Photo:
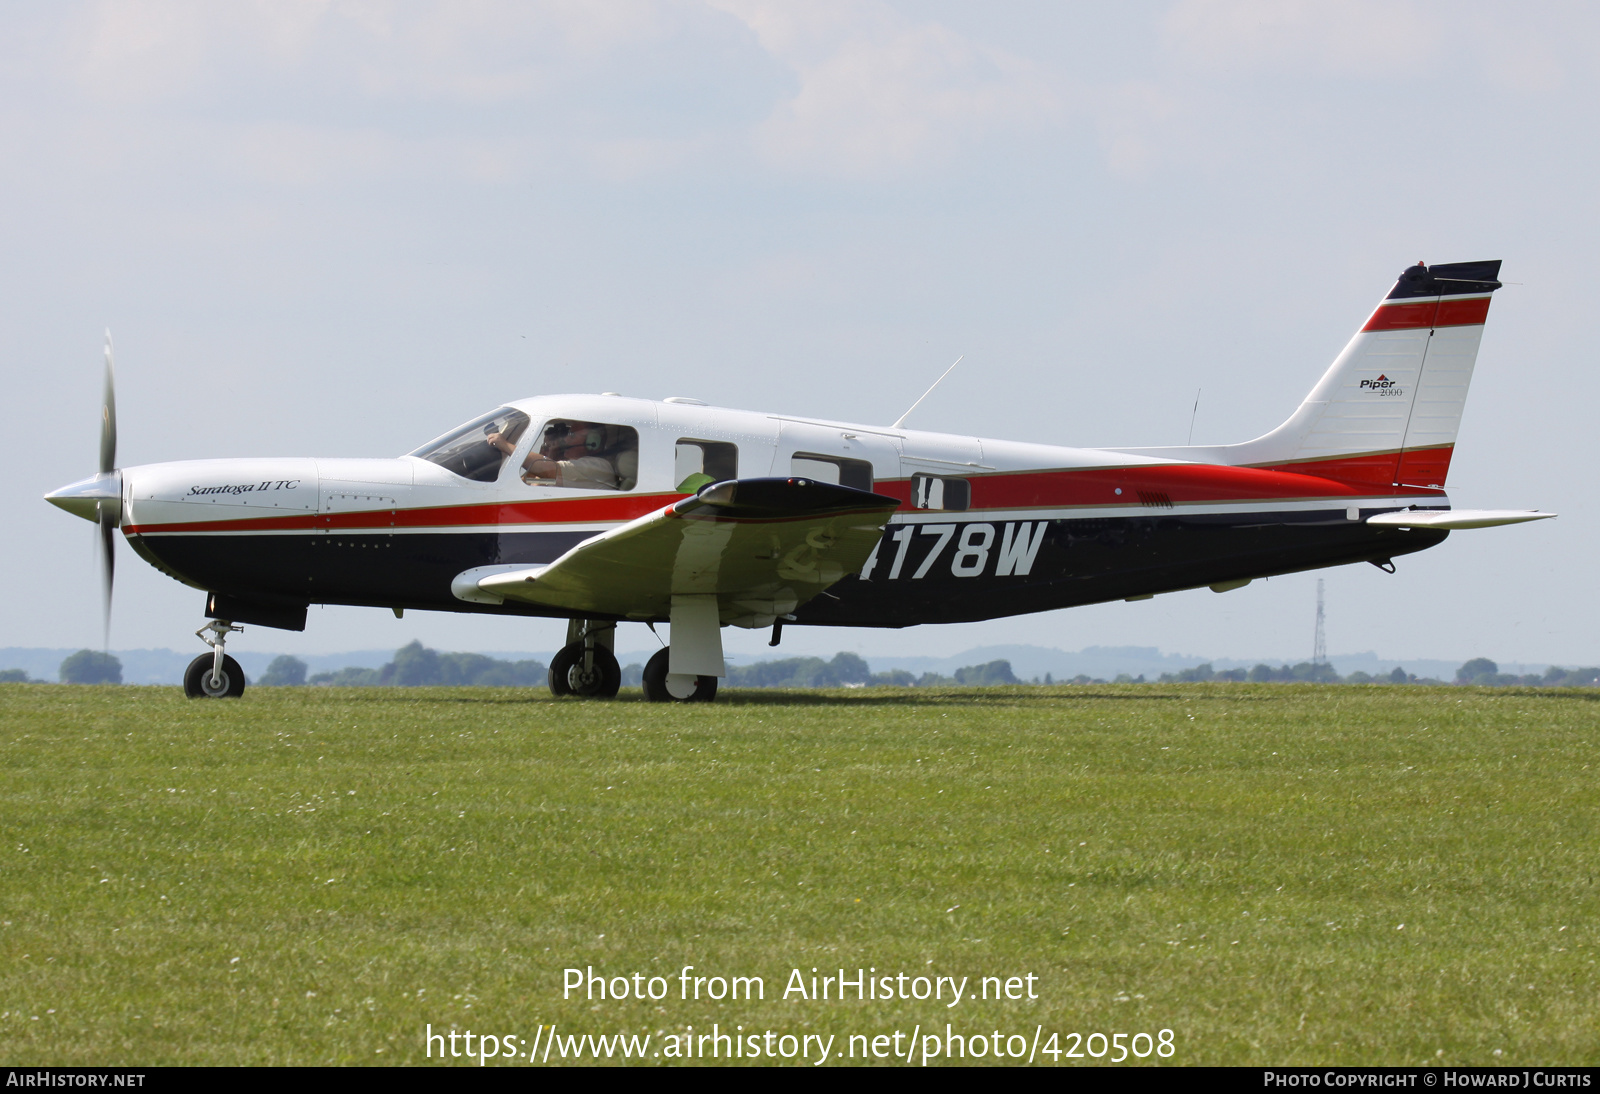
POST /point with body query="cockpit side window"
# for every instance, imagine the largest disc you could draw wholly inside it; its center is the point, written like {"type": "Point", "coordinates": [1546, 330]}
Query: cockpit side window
{"type": "Point", "coordinates": [477, 449]}
{"type": "Point", "coordinates": [583, 456]}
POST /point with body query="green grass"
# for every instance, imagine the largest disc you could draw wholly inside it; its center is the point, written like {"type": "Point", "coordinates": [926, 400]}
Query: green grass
{"type": "Point", "coordinates": [310, 875]}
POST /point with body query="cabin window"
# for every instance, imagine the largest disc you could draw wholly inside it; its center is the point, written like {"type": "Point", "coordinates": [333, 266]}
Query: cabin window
{"type": "Point", "coordinates": [701, 463]}
{"type": "Point", "coordinates": [934, 492]}
{"type": "Point", "coordinates": [856, 474]}
{"type": "Point", "coordinates": [478, 449]}
{"type": "Point", "coordinates": [583, 456]}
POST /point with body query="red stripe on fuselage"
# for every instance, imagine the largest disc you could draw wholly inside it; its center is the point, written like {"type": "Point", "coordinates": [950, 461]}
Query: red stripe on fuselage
{"type": "Point", "coordinates": [1182, 483]}
{"type": "Point", "coordinates": [1053, 489]}
{"type": "Point", "coordinates": [897, 488]}
{"type": "Point", "coordinates": [1429, 313]}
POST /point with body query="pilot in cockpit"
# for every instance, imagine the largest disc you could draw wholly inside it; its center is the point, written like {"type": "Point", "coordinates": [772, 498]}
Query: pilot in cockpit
{"type": "Point", "coordinates": [570, 453]}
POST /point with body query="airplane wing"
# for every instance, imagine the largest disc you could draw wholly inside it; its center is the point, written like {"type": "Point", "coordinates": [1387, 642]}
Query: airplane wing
{"type": "Point", "coordinates": [761, 546]}
{"type": "Point", "coordinates": [1456, 518]}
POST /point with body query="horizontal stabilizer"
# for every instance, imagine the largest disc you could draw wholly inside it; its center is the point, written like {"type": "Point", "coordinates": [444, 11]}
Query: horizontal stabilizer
{"type": "Point", "coordinates": [1456, 518]}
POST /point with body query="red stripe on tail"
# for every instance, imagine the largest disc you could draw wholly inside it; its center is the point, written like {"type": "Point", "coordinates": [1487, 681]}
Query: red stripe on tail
{"type": "Point", "coordinates": [1425, 467]}
{"type": "Point", "coordinates": [1429, 313]}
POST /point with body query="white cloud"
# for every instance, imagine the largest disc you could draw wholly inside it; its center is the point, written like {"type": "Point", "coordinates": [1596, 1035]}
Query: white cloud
{"type": "Point", "coordinates": [630, 89]}
{"type": "Point", "coordinates": [468, 51]}
{"type": "Point", "coordinates": [1469, 43]}
{"type": "Point", "coordinates": [297, 155]}
{"type": "Point", "coordinates": [1347, 37]}
{"type": "Point", "coordinates": [627, 88]}
{"type": "Point", "coordinates": [880, 94]}
{"type": "Point", "coordinates": [309, 92]}
{"type": "Point", "coordinates": [472, 51]}
{"type": "Point", "coordinates": [1134, 120]}
{"type": "Point", "coordinates": [1521, 59]}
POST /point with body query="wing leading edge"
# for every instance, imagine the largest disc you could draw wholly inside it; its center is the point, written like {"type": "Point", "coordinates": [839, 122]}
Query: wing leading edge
{"type": "Point", "coordinates": [762, 547]}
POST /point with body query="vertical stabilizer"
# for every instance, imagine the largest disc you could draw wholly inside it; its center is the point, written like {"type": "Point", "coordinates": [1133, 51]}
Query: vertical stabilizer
{"type": "Point", "coordinates": [1388, 409]}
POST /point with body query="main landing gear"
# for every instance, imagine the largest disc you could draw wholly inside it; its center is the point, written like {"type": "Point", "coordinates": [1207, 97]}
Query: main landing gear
{"type": "Point", "coordinates": [214, 675]}
{"type": "Point", "coordinates": [687, 671]}
{"type": "Point", "coordinates": [585, 666]}
{"type": "Point", "coordinates": [661, 686]}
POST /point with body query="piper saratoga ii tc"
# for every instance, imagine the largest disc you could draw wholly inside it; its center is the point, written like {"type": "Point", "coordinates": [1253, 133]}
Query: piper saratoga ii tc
{"type": "Point", "coordinates": [601, 509]}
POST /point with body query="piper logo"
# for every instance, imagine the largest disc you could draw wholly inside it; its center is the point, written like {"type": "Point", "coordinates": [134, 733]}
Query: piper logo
{"type": "Point", "coordinates": [1383, 386]}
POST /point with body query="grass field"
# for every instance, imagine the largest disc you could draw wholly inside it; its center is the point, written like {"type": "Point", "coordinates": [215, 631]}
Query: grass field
{"type": "Point", "coordinates": [311, 875]}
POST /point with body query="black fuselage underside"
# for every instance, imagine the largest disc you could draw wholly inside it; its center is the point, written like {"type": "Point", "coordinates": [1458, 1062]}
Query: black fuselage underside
{"type": "Point", "coordinates": [1080, 561]}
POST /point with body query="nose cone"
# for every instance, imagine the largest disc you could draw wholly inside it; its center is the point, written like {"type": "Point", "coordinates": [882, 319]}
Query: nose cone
{"type": "Point", "coordinates": [88, 498]}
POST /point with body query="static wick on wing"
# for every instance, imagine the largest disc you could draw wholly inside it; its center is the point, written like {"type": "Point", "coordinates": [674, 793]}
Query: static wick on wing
{"type": "Point", "coordinates": [898, 422]}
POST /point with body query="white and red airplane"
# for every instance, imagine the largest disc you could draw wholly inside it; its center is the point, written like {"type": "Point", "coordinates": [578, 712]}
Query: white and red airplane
{"type": "Point", "coordinates": [601, 509]}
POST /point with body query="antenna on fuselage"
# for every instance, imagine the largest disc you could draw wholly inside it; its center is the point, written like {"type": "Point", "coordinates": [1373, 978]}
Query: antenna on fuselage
{"type": "Point", "coordinates": [898, 422]}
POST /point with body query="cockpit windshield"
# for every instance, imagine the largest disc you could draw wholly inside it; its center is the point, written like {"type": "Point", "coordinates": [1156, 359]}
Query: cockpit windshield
{"type": "Point", "coordinates": [477, 449]}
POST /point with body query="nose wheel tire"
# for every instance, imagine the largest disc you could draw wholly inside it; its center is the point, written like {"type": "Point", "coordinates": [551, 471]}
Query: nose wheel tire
{"type": "Point", "coordinates": [569, 677]}
{"type": "Point", "coordinates": [198, 684]}
{"type": "Point", "coordinates": [661, 686]}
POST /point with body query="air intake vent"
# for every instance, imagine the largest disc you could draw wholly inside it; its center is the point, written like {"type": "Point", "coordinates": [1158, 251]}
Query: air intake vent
{"type": "Point", "coordinates": [1154, 499]}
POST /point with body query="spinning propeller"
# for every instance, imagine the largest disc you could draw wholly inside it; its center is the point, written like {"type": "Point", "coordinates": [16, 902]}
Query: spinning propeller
{"type": "Point", "coordinates": [108, 512]}
{"type": "Point", "coordinates": [100, 499]}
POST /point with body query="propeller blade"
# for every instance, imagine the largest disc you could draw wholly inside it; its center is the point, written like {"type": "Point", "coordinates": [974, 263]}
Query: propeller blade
{"type": "Point", "coordinates": [108, 417]}
{"type": "Point", "coordinates": [108, 566]}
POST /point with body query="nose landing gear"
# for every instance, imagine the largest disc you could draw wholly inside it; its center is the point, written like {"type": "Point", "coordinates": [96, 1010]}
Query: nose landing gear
{"type": "Point", "coordinates": [214, 675]}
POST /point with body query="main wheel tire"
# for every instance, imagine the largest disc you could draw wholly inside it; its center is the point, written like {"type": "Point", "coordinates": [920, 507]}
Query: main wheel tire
{"type": "Point", "coordinates": [660, 686]}
{"type": "Point", "coordinates": [558, 679]}
{"type": "Point", "coordinates": [197, 678]}
{"type": "Point", "coordinates": [567, 675]}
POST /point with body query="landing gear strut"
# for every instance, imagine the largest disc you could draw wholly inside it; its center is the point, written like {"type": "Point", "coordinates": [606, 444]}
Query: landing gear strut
{"type": "Point", "coordinates": [585, 666]}
{"type": "Point", "coordinates": [214, 675]}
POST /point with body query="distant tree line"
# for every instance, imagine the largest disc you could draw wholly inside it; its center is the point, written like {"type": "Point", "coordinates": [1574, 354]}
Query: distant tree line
{"type": "Point", "coordinates": [1484, 673]}
{"type": "Point", "coordinates": [847, 670]}
{"type": "Point", "coordinates": [1479, 672]}
{"type": "Point", "coordinates": [1306, 672]}
{"type": "Point", "coordinates": [415, 665]}
{"type": "Point", "coordinates": [83, 667]}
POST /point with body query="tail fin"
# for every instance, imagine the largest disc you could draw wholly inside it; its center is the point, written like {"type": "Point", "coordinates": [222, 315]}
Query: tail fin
{"type": "Point", "coordinates": [1387, 410]}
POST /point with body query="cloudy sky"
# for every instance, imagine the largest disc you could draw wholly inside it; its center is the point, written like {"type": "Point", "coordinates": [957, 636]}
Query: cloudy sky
{"type": "Point", "coordinates": [326, 228]}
